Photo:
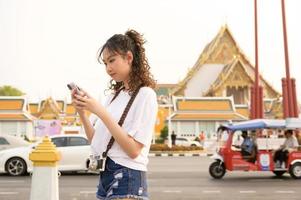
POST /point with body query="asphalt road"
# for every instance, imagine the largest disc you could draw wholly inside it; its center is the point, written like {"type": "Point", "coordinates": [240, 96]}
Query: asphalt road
{"type": "Point", "coordinates": [172, 178]}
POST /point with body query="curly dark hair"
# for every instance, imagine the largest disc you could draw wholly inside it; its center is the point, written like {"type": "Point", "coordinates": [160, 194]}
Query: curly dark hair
{"type": "Point", "coordinates": [140, 70]}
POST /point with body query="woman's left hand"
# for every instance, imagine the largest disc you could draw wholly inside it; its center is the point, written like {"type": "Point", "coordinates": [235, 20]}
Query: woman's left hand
{"type": "Point", "coordinates": [87, 102]}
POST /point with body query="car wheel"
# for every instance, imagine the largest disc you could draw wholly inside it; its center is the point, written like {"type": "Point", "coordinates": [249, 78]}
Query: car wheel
{"type": "Point", "coordinates": [279, 173]}
{"type": "Point", "coordinates": [295, 170]}
{"type": "Point", "coordinates": [16, 167]}
{"type": "Point", "coordinates": [217, 170]}
{"type": "Point", "coordinates": [193, 145]}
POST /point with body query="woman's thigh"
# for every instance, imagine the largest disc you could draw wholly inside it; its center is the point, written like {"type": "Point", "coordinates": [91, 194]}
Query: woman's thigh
{"type": "Point", "coordinates": [119, 182]}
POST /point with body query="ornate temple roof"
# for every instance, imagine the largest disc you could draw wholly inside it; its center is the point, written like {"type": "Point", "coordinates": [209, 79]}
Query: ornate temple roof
{"type": "Point", "coordinates": [50, 109]}
{"type": "Point", "coordinates": [222, 50]}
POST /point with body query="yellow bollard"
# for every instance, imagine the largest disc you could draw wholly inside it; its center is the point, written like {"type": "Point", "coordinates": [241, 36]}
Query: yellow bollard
{"type": "Point", "coordinates": [44, 184]}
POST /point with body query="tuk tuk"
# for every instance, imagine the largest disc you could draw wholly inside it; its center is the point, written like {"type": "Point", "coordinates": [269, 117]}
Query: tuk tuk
{"type": "Point", "coordinates": [267, 136]}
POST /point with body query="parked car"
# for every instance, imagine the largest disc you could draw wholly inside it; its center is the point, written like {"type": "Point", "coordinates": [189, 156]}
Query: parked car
{"type": "Point", "coordinates": [187, 143]}
{"type": "Point", "coordinates": [9, 141]}
{"type": "Point", "coordinates": [75, 151]}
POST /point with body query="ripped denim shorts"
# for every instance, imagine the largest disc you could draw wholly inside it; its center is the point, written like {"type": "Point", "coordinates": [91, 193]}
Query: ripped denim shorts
{"type": "Point", "coordinates": [119, 182]}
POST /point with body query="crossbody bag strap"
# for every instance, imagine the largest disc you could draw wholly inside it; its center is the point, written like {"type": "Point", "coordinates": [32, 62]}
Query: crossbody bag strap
{"type": "Point", "coordinates": [114, 97]}
{"type": "Point", "coordinates": [121, 120]}
{"type": "Point", "coordinates": [116, 94]}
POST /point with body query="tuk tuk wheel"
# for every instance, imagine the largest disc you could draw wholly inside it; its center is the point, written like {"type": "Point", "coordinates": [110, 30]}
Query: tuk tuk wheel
{"type": "Point", "coordinates": [217, 169]}
{"type": "Point", "coordinates": [295, 170]}
{"type": "Point", "coordinates": [279, 173]}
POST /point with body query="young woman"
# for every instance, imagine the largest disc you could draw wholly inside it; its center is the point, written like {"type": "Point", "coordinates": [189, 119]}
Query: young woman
{"type": "Point", "coordinates": [125, 171]}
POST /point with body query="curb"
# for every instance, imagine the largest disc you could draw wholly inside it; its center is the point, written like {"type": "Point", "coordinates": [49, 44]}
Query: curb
{"type": "Point", "coordinates": [179, 154]}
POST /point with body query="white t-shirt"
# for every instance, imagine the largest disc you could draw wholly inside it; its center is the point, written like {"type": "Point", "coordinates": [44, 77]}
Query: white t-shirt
{"type": "Point", "coordinates": [291, 142]}
{"type": "Point", "coordinates": [139, 123]}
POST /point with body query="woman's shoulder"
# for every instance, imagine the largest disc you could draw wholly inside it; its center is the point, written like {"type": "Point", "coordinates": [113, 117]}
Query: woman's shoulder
{"type": "Point", "coordinates": [147, 91]}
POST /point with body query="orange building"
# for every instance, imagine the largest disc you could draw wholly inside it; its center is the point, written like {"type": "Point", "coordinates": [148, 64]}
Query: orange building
{"type": "Point", "coordinates": [14, 117]}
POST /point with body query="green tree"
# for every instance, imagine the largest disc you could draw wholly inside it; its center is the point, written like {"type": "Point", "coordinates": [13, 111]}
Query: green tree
{"type": "Point", "coordinates": [164, 133]}
{"type": "Point", "coordinates": [8, 90]}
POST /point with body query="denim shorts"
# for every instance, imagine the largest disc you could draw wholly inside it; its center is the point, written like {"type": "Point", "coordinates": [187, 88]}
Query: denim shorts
{"type": "Point", "coordinates": [119, 182]}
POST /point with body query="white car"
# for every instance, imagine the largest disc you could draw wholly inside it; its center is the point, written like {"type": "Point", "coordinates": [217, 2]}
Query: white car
{"type": "Point", "coordinates": [187, 143]}
{"type": "Point", "coordinates": [9, 141]}
{"type": "Point", "coordinates": [74, 149]}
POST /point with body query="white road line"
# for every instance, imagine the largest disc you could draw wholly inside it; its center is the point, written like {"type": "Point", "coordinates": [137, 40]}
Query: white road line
{"type": "Point", "coordinates": [247, 192]}
{"type": "Point", "coordinates": [211, 191]}
{"type": "Point", "coordinates": [172, 191]}
{"type": "Point", "coordinates": [2, 181]}
{"type": "Point", "coordinates": [8, 193]}
{"type": "Point", "coordinates": [87, 192]}
{"type": "Point", "coordinates": [265, 180]}
{"type": "Point", "coordinates": [285, 192]}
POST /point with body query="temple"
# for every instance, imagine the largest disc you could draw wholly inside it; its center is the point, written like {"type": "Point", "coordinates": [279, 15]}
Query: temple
{"type": "Point", "coordinates": [215, 90]}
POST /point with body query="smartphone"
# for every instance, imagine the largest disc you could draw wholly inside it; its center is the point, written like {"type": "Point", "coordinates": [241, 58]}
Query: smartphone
{"type": "Point", "coordinates": [72, 86]}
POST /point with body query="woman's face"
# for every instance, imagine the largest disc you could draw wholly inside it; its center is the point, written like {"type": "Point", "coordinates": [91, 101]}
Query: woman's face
{"type": "Point", "coordinates": [117, 66]}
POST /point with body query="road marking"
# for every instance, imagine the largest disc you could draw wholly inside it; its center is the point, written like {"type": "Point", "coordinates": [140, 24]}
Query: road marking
{"type": "Point", "coordinates": [211, 191]}
{"type": "Point", "coordinates": [247, 192]}
{"type": "Point", "coordinates": [172, 191]}
{"type": "Point", "coordinates": [87, 192]}
{"type": "Point", "coordinates": [3, 181]}
{"type": "Point", "coordinates": [285, 192]}
{"type": "Point", "coordinates": [265, 180]}
{"type": "Point", "coordinates": [8, 193]}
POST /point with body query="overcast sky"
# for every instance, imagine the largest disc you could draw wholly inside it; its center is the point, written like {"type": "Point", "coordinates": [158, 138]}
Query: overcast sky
{"type": "Point", "coordinates": [46, 44]}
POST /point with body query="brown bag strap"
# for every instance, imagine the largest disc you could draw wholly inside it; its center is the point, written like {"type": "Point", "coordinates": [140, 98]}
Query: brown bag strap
{"type": "Point", "coordinates": [122, 118]}
{"type": "Point", "coordinates": [116, 94]}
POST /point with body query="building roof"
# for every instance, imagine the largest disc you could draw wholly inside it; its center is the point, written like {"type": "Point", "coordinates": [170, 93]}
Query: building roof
{"type": "Point", "coordinates": [70, 110]}
{"type": "Point", "coordinates": [217, 44]}
{"type": "Point", "coordinates": [227, 71]}
{"type": "Point", "coordinates": [15, 117]}
{"type": "Point", "coordinates": [206, 75]}
{"type": "Point", "coordinates": [204, 104]}
{"type": "Point", "coordinates": [50, 109]}
{"type": "Point", "coordinates": [12, 103]}
{"type": "Point", "coordinates": [33, 108]}
{"type": "Point", "coordinates": [208, 116]}
{"type": "Point", "coordinates": [205, 108]}
{"type": "Point", "coordinates": [58, 104]}
{"type": "Point", "coordinates": [13, 108]}
{"type": "Point", "coordinates": [243, 110]}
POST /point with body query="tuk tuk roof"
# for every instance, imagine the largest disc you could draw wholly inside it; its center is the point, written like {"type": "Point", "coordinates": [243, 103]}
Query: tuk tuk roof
{"type": "Point", "coordinates": [293, 123]}
{"type": "Point", "coordinates": [256, 124]}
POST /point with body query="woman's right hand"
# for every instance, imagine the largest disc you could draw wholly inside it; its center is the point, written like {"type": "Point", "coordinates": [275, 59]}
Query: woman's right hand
{"type": "Point", "coordinates": [75, 101]}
